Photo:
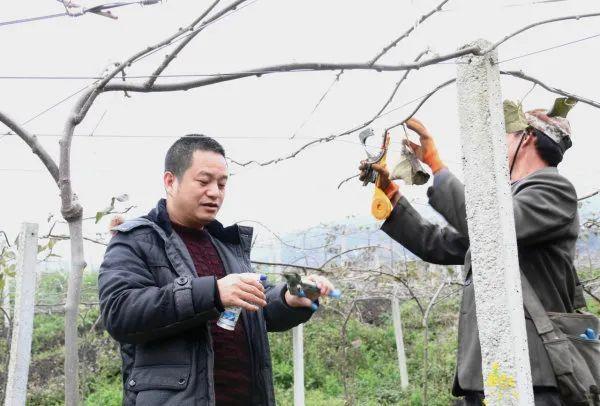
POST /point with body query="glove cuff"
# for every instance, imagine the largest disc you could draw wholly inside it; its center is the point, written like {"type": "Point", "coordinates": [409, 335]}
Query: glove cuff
{"type": "Point", "coordinates": [391, 190]}
{"type": "Point", "coordinates": [432, 159]}
{"type": "Point", "coordinates": [437, 165]}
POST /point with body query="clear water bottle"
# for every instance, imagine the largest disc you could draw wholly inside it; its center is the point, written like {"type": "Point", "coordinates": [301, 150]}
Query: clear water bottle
{"type": "Point", "coordinates": [230, 316]}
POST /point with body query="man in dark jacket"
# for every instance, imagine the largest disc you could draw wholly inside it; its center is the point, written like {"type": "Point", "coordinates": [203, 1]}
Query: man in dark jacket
{"type": "Point", "coordinates": [166, 278]}
{"type": "Point", "coordinates": [546, 220]}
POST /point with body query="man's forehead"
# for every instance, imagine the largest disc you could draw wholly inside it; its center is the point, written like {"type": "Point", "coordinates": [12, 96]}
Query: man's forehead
{"type": "Point", "coordinates": [208, 163]}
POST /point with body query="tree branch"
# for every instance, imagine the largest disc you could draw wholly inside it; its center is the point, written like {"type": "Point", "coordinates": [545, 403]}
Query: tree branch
{"type": "Point", "coordinates": [421, 103]}
{"type": "Point", "coordinates": [387, 102]}
{"type": "Point", "coordinates": [377, 57]}
{"type": "Point", "coordinates": [322, 266]}
{"type": "Point", "coordinates": [333, 137]}
{"type": "Point", "coordinates": [346, 180]}
{"type": "Point", "coordinates": [373, 247]}
{"type": "Point", "coordinates": [521, 75]}
{"type": "Point", "coordinates": [302, 267]}
{"type": "Point", "coordinates": [87, 99]}
{"type": "Point", "coordinates": [169, 58]}
{"type": "Point", "coordinates": [588, 195]}
{"type": "Point", "coordinates": [407, 32]}
{"type": "Point", "coordinates": [33, 143]}
{"type": "Point", "coordinates": [280, 239]}
{"type": "Point", "coordinates": [293, 67]}
{"type": "Point", "coordinates": [6, 315]}
{"type": "Point", "coordinates": [527, 27]}
{"type": "Point", "coordinates": [592, 295]}
{"type": "Point", "coordinates": [66, 237]}
{"type": "Point", "coordinates": [3, 233]}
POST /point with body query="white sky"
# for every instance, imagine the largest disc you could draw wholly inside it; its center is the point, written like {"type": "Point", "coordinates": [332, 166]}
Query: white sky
{"type": "Point", "coordinates": [254, 118]}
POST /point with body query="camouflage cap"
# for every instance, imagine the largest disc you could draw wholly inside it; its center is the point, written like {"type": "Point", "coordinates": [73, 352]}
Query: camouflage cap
{"type": "Point", "coordinates": [554, 127]}
{"type": "Point", "coordinates": [514, 118]}
{"type": "Point", "coordinates": [553, 123]}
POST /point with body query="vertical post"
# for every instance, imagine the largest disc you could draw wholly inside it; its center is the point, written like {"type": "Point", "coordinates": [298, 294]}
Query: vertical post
{"type": "Point", "coordinates": [458, 270]}
{"type": "Point", "coordinates": [399, 342]}
{"type": "Point", "coordinates": [22, 329]}
{"type": "Point", "coordinates": [6, 304]}
{"type": "Point", "coordinates": [496, 275]}
{"type": "Point", "coordinates": [298, 349]}
{"type": "Point", "coordinates": [343, 248]}
{"type": "Point", "coordinates": [298, 340]}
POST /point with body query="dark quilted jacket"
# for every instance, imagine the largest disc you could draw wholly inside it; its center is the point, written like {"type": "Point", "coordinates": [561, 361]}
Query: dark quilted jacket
{"type": "Point", "coordinates": [155, 305]}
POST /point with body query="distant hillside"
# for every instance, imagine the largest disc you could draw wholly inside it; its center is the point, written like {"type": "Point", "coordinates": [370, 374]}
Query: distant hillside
{"type": "Point", "coordinates": [325, 240]}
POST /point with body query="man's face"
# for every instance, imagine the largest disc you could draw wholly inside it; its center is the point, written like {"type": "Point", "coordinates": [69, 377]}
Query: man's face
{"type": "Point", "coordinates": [196, 198]}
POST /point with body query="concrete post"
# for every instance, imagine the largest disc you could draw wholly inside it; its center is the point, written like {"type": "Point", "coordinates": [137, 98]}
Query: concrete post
{"type": "Point", "coordinates": [497, 283]}
{"type": "Point", "coordinates": [298, 343]}
{"type": "Point", "coordinates": [6, 304]}
{"type": "Point", "coordinates": [399, 342]}
{"type": "Point", "coordinates": [22, 329]}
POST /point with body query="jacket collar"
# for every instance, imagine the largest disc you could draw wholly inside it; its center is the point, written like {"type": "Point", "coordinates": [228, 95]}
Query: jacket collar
{"type": "Point", "coordinates": [160, 217]}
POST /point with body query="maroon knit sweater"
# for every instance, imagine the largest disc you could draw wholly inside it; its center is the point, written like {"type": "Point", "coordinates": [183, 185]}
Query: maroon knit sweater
{"type": "Point", "coordinates": [232, 356]}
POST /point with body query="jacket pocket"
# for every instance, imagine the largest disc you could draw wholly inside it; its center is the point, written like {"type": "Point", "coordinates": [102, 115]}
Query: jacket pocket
{"type": "Point", "coordinates": [171, 377]}
{"type": "Point", "coordinates": [169, 351]}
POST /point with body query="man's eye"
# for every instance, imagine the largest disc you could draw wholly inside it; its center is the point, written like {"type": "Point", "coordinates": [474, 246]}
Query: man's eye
{"type": "Point", "coordinates": [203, 182]}
{"type": "Point", "coordinates": [222, 185]}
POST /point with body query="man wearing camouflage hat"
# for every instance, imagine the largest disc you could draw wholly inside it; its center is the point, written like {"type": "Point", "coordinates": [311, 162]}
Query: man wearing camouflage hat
{"type": "Point", "coordinates": [545, 209]}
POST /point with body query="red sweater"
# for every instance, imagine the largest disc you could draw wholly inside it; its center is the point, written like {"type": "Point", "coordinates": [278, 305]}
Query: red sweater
{"type": "Point", "coordinates": [232, 369]}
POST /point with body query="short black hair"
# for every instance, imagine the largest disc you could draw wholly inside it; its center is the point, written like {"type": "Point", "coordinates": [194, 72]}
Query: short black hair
{"type": "Point", "coordinates": [179, 156]}
{"type": "Point", "coordinates": [551, 152]}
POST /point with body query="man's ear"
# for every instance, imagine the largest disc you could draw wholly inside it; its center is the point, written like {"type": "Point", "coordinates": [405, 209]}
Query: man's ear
{"type": "Point", "coordinates": [170, 183]}
{"type": "Point", "coordinates": [530, 138]}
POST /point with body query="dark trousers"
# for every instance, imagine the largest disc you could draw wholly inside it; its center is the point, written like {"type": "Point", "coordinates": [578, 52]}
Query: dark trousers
{"type": "Point", "coordinates": [542, 397]}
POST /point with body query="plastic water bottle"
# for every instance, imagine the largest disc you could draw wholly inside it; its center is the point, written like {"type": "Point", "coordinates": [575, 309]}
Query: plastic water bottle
{"type": "Point", "coordinates": [230, 316]}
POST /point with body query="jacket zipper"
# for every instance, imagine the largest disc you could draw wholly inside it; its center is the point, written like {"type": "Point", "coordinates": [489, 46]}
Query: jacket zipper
{"type": "Point", "coordinates": [253, 372]}
{"type": "Point", "coordinates": [211, 360]}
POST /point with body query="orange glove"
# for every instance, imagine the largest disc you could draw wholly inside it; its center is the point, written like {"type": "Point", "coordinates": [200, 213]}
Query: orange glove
{"type": "Point", "coordinates": [391, 190]}
{"type": "Point", "coordinates": [427, 151]}
{"type": "Point", "coordinates": [385, 183]}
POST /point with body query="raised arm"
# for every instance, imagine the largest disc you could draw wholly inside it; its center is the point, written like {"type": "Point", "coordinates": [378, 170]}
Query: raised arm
{"type": "Point", "coordinates": [430, 242]}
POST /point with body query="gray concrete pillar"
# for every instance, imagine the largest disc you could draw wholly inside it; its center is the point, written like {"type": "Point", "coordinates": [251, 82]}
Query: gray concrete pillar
{"type": "Point", "coordinates": [497, 283]}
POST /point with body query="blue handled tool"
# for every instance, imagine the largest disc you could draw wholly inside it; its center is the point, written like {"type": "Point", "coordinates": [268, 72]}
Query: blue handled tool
{"type": "Point", "coordinates": [298, 287]}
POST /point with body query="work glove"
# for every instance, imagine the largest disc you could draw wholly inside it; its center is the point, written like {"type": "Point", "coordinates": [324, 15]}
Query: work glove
{"type": "Point", "coordinates": [427, 151]}
{"type": "Point", "coordinates": [384, 182]}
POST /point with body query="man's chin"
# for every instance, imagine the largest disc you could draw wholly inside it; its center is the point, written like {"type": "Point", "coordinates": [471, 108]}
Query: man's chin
{"type": "Point", "coordinates": [205, 218]}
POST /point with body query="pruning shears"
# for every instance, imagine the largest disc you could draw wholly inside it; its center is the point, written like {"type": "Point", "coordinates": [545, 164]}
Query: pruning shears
{"type": "Point", "coordinates": [301, 288]}
{"type": "Point", "coordinates": [409, 169]}
{"type": "Point", "coordinates": [381, 207]}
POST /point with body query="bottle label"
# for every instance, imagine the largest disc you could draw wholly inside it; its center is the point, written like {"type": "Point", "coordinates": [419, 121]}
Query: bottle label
{"type": "Point", "coordinates": [229, 318]}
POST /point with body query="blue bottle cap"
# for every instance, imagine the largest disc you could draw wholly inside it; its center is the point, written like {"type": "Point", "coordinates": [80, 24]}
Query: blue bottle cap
{"type": "Point", "coordinates": [590, 333]}
{"type": "Point", "coordinates": [336, 294]}
{"type": "Point", "coordinates": [263, 277]}
{"type": "Point", "coordinates": [314, 307]}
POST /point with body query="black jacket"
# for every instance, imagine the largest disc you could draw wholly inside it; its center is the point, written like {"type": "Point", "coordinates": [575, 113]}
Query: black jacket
{"type": "Point", "coordinates": [547, 226]}
{"type": "Point", "coordinates": [155, 305]}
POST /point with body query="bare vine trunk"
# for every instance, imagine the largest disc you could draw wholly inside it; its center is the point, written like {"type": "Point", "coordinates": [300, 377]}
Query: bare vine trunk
{"type": "Point", "coordinates": [72, 397]}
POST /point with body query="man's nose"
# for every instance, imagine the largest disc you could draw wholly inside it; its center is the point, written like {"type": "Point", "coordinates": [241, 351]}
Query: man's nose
{"type": "Point", "coordinates": [213, 190]}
